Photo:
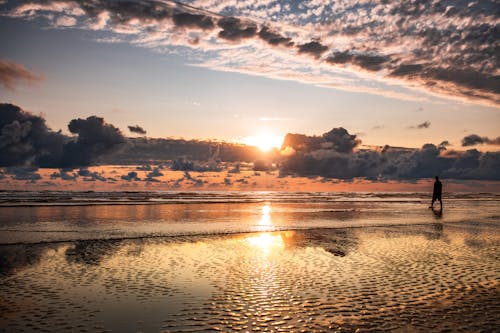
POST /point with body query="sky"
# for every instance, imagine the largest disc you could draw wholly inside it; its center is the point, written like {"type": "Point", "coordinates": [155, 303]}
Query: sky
{"type": "Point", "coordinates": [398, 74]}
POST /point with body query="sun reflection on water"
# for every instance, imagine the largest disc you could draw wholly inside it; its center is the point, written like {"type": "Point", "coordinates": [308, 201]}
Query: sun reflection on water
{"type": "Point", "coordinates": [265, 222]}
{"type": "Point", "coordinates": [266, 242]}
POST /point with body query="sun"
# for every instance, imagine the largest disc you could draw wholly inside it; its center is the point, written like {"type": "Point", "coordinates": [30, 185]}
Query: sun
{"type": "Point", "coordinates": [264, 141]}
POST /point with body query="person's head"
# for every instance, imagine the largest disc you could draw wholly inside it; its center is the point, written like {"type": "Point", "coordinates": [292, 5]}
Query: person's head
{"type": "Point", "coordinates": [437, 178]}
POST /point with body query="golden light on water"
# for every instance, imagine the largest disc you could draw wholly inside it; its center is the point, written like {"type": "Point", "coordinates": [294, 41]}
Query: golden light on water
{"type": "Point", "coordinates": [266, 242]}
{"type": "Point", "coordinates": [266, 209]}
{"type": "Point", "coordinates": [265, 221]}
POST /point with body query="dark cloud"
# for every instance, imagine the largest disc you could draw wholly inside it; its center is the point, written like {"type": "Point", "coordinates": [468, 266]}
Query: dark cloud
{"type": "Point", "coordinates": [123, 12]}
{"type": "Point", "coordinates": [472, 164]}
{"type": "Point", "coordinates": [234, 29]}
{"type": "Point", "coordinates": [12, 73]}
{"type": "Point", "coordinates": [468, 82]}
{"type": "Point", "coordinates": [474, 139]}
{"type": "Point", "coordinates": [444, 144]}
{"type": "Point", "coordinates": [425, 124]}
{"type": "Point", "coordinates": [314, 48]}
{"type": "Point", "coordinates": [193, 21]}
{"type": "Point", "coordinates": [95, 138]}
{"type": "Point", "coordinates": [340, 58]}
{"type": "Point", "coordinates": [301, 142]}
{"type": "Point", "coordinates": [131, 176]}
{"type": "Point", "coordinates": [137, 129]}
{"type": "Point", "coordinates": [407, 70]}
{"type": "Point", "coordinates": [338, 139]}
{"type": "Point", "coordinates": [370, 62]}
{"type": "Point", "coordinates": [26, 139]}
{"type": "Point", "coordinates": [151, 176]}
{"type": "Point", "coordinates": [64, 174]}
{"type": "Point", "coordinates": [274, 38]}
{"type": "Point", "coordinates": [341, 140]}
{"type": "Point", "coordinates": [338, 159]}
{"type": "Point", "coordinates": [91, 176]}
{"type": "Point", "coordinates": [366, 61]}
{"type": "Point", "coordinates": [24, 173]}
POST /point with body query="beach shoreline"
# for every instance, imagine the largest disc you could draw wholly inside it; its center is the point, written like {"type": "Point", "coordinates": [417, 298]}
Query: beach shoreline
{"type": "Point", "coordinates": [412, 278]}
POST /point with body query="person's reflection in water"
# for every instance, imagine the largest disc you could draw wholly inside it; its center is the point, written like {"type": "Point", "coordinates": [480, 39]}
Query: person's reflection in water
{"type": "Point", "coordinates": [438, 214]}
{"type": "Point", "coordinates": [436, 194]}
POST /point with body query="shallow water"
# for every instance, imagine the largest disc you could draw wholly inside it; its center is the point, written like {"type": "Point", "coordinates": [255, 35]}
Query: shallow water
{"type": "Point", "coordinates": [420, 278]}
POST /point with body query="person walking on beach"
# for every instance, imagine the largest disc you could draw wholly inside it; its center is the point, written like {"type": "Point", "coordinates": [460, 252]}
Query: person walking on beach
{"type": "Point", "coordinates": [436, 193]}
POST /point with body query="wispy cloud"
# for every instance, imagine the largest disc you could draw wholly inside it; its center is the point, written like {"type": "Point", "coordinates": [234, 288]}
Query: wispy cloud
{"type": "Point", "coordinates": [438, 47]}
{"type": "Point", "coordinates": [425, 124]}
{"type": "Point", "coordinates": [12, 73]}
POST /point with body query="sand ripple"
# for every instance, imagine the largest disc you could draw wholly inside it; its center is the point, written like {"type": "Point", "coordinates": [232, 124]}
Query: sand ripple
{"type": "Point", "coordinates": [423, 278]}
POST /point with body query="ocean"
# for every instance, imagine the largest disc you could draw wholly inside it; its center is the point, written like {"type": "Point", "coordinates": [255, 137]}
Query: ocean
{"type": "Point", "coordinates": [35, 217]}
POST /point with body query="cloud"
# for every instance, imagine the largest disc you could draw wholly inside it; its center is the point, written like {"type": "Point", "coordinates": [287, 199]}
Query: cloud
{"type": "Point", "coordinates": [234, 29]}
{"type": "Point", "coordinates": [474, 139]}
{"type": "Point", "coordinates": [436, 47]}
{"type": "Point", "coordinates": [25, 139]}
{"type": "Point", "coordinates": [95, 138]}
{"type": "Point", "coordinates": [368, 62]}
{"type": "Point", "coordinates": [66, 21]}
{"type": "Point", "coordinates": [274, 38]}
{"type": "Point", "coordinates": [338, 139]}
{"type": "Point", "coordinates": [151, 176]}
{"type": "Point", "coordinates": [314, 48]}
{"type": "Point", "coordinates": [425, 124]}
{"type": "Point", "coordinates": [180, 164]}
{"type": "Point", "coordinates": [341, 140]}
{"type": "Point", "coordinates": [332, 155]}
{"type": "Point", "coordinates": [444, 144]}
{"type": "Point", "coordinates": [12, 74]}
{"type": "Point", "coordinates": [91, 176]}
{"type": "Point", "coordinates": [24, 173]}
{"type": "Point", "coordinates": [64, 174]}
{"type": "Point", "coordinates": [193, 21]}
{"type": "Point", "coordinates": [26, 143]}
{"type": "Point", "coordinates": [137, 129]}
{"type": "Point", "coordinates": [131, 176]}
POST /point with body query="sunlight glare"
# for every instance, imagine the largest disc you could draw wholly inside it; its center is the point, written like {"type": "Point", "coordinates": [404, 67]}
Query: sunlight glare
{"type": "Point", "coordinates": [266, 242]}
{"type": "Point", "coordinates": [265, 219]}
{"type": "Point", "coordinates": [264, 141]}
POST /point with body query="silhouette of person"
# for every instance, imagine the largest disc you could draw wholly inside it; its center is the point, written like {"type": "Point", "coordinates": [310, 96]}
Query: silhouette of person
{"type": "Point", "coordinates": [437, 193]}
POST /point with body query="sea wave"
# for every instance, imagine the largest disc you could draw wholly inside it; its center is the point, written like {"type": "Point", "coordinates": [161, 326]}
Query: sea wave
{"type": "Point", "coordinates": [63, 198]}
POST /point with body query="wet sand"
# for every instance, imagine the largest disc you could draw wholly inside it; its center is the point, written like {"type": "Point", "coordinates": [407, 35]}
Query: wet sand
{"type": "Point", "coordinates": [439, 277]}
